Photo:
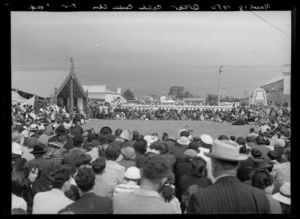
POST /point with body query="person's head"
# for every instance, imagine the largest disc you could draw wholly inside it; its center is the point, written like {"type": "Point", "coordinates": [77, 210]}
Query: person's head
{"type": "Point", "coordinates": [140, 146]}
{"type": "Point", "coordinates": [61, 178]}
{"type": "Point", "coordinates": [159, 146]}
{"type": "Point", "coordinates": [206, 141]}
{"type": "Point", "coordinates": [31, 171]}
{"type": "Point", "coordinates": [260, 140]}
{"type": "Point", "coordinates": [82, 160]}
{"type": "Point", "coordinates": [232, 138]}
{"type": "Point", "coordinates": [90, 137]}
{"type": "Point", "coordinates": [85, 179]}
{"type": "Point", "coordinates": [223, 137]}
{"type": "Point", "coordinates": [286, 157]}
{"type": "Point", "coordinates": [17, 183]}
{"type": "Point", "coordinates": [262, 179]}
{"type": "Point", "coordinates": [132, 174]}
{"type": "Point", "coordinates": [252, 130]}
{"type": "Point", "coordinates": [118, 132]}
{"type": "Point", "coordinates": [111, 152]}
{"type": "Point", "coordinates": [244, 150]}
{"type": "Point", "coordinates": [155, 170]}
{"type": "Point", "coordinates": [256, 153]}
{"type": "Point", "coordinates": [284, 197]}
{"type": "Point", "coordinates": [105, 130]}
{"type": "Point", "coordinates": [272, 155]}
{"type": "Point", "coordinates": [136, 135]}
{"type": "Point", "coordinates": [198, 166]}
{"type": "Point", "coordinates": [77, 140]}
{"type": "Point", "coordinates": [99, 165]}
{"type": "Point", "coordinates": [241, 141]}
{"type": "Point", "coordinates": [188, 193]}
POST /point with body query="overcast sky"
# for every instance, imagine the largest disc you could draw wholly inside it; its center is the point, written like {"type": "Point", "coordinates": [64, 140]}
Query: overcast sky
{"type": "Point", "coordinates": [150, 52]}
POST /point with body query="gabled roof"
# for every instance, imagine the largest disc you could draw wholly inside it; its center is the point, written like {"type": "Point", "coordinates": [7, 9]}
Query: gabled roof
{"type": "Point", "coordinates": [275, 79]}
{"type": "Point", "coordinates": [41, 83]}
{"type": "Point", "coordinates": [97, 89]}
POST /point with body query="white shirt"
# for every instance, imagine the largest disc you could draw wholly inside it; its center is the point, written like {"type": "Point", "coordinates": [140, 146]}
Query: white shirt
{"type": "Point", "coordinates": [18, 202]}
{"type": "Point", "coordinates": [50, 202]}
{"type": "Point", "coordinates": [208, 162]}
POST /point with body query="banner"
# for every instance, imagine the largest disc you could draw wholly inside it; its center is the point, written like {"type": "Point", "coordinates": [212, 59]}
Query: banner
{"type": "Point", "coordinates": [16, 98]}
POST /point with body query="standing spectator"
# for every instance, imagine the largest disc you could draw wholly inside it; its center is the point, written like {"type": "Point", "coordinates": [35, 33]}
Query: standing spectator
{"type": "Point", "coordinates": [28, 148]}
{"type": "Point", "coordinates": [146, 199]}
{"type": "Point", "coordinates": [205, 146]}
{"type": "Point", "coordinates": [17, 161]}
{"type": "Point", "coordinates": [43, 183]}
{"type": "Point", "coordinates": [129, 155]}
{"type": "Point", "coordinates": [131, 181]}
{"type": "Point", "coordinates": [140, 148]}
{"type": "Point", "coordinates": [181, 145]}
{"type": "Point", "coordinates": [282, 171]}
{"type": "Point", "coordinates": [263, 180]}
{"type": "Point", "coordinates": [279, 148]}
{"type": "Point", "coordinates": [51, 202]}
{"type": "Point", "coordinates": [228, 195]}
{"type": "Point", "coordinates": [187, 195]}
{"type": "Point", "coordinates": [89, 202]}
{"type": "Point", "coordinates": [18, 187]}
{"type": "Point", "coordinates": [261, 145]}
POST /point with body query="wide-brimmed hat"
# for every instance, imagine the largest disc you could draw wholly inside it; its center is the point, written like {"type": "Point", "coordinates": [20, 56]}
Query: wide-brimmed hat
{"type": "Point", "coordinates": [150, 139]}
{"type": "Point", "coordinates": [38, 149]}
{"type": "Point", "coordinates": [226, 150]}
{"type": "Point", "coordinates": [16, 137]}
{"type": "Point", "coordinates": [126, 134]}
{"type": "Point", "coordinates": [183, 140]}
{"type": "Point", "coordinates": [207, 139]}
{"type": "Point", "coordinates": [284, 194]}
{"type": "Point", "coordinates": [280, 143]}
{"type": "Point", "coordinates": [132, 173]}
{"type": "Point", "coordinates": [61, 130]}
{"type": "Point", "coordinates": [128, 153]}
{"type": "Point", "coordinates": [16, 148]}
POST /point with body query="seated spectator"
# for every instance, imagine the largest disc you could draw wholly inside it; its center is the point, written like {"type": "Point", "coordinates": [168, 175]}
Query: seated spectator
{"type": "Point", "coordinates": [51, 202]}
{"type": "Point", "coordinates": [101, 188]}
{"type": "Point", "coordinates": [146, 199]}
{"type": "Point", "coordinates": [131, 181]}
{"type": "Point", "coordinates": [284, 198]}
{"type": "Point", "coordinates": [262, 179]}
{"type": "Point", "coordinates": [89, 202]}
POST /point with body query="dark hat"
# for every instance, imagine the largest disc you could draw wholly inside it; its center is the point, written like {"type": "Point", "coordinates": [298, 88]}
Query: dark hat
{"type": "Point", "coordinates": [111, 152]}
{"type": "Point", "coordinates": [184, 133]}
{"type": "Point", "coordinates": [61, 130]}
{"type": "Point", "coordinates": [105, 130]}
{"type": "Point", "coordinates": [195, 146]}
{"type": "Point", "coordinates": [260, 140]}
{"type": "Point", "coordinates": [135, 135]}
{"type": "Point", "coordinates": [260, 164]}
{"type": "Point", "coordinates": [38, 149]}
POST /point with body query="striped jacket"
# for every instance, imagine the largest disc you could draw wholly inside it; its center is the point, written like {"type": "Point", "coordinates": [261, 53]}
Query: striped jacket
{"type": "Point", "coordinates": [229, 196]}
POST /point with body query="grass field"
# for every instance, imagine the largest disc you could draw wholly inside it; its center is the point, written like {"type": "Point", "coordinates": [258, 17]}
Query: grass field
{"type": "Point", "coordinates": [172, 127]}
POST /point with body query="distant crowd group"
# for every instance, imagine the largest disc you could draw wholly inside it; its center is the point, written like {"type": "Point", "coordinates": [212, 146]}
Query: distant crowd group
{"type": "Point", "coordinates": [60, 168]}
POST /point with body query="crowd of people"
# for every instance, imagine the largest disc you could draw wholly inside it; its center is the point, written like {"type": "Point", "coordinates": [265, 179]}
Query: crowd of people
{"type": "Point", "coordinates": [239, 115]}
{"type": "Point", "coordinates": [60, 168]}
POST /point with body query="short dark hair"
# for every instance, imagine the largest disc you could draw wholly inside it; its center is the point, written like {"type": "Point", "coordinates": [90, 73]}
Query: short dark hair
{"type": "Point", "coordinates": [91, 137]}
{"type": "Point", "coordinates": [261, 179]}
{"type": "Point", "coordinates": [232, 138]}
{"type": "Point", "coordinates": [243, 150]}
{"type": "Point", "coordinates": [223, 137]}
{"type": "Point", "coordinates": [82, 159]}
{"type": "Point", "coordinates": [252, 129]}
{"type": "Point", "coordinates": [110, 138]}
{"type": "Point", "coordinates": [256, 153]}
{"type": "Point", "coordinates": [159, 146]}
{"type": "Point", "coordinates": [102, 139]}
{"type": "Point", "coordinates": [118, 132]}
{"type": "Point", "coordinates": [140, 146]}
{"type": "Point", "coordinates": [155, 168]}
{"type": "Point", "coordinates": [111, 152]}
{"type": "Point", "coordinates": [241, 141]}
{"type": "Point", "coordinates": [85, 179]}
{"type": "Point", "coordinates": [99, 165]}
{"type": "Point", "coordinates": [29, 167]}
{"type": "Point", "coordinates": [198, 166]}
{"type": "Point", "coordinates": [272, 155]}
{"type": "Point", "coordinates": [77, 140]}
{"type": "Point", "coordinates": [59, 176]}
{"type": "Point", "coordinates": [17, 183]}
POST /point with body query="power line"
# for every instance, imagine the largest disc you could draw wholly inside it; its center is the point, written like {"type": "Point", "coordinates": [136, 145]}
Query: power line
{"type": "Point", "coordinates": [270, 24]}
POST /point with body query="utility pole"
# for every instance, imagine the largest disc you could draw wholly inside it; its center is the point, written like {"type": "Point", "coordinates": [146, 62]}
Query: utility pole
{"type": "Point", "coordinates": [71, 88]}
{"type": "Point", "coordinates": [220, 70]}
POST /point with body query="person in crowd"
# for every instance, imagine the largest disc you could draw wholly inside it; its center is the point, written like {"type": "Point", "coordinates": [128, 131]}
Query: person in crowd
{"type": "Point", "coordinates": [187, 195]}
{"type": "Point", "coordinates": [282, 171]}
{"type": "Point", "coordinates": [205, 146]}
{"type": "Point", "coordinates": [279, 148]}
{"type": "Point", "coordinates": [51, 202]}
{"type": "Point", "coordinates": [31, 173]}
{"type": "Point", "coordinates": [105, 130]}
{"type": "Point", "coordinates": [252, 133]}
{"type": "Point", "coordinates": [198, 169]}
{"type": "Point", "coordinates": [128, 160]}
{"type": "Point", "coordinates": [244, 170]}
{"type": "Point", "coordinates": [147, 199]}
{"type": "Point", "coordinates": [82, 160]}
{"type": "Point", "coordinates": [232, 138]}
{"type": "Point", "coordinates": [223, 137]}
{"type": "Point", "coordinates": [181, 145]}
{"type": "Point", "coordinates": [227, 195]}
{"type": "Point", "coordinates": [140, 148]}
{"type": "Point", "coordinates": [284, 197]}
{"type": "Point", "coordinates": [263, 180]}
{"type": "Point", "coordinates": [89, 202]}
{"type": "Point", "coordinates": [17, 161]}
{"type": "Point", "coordinates": [28, 148]}
{"type": "Point", "coordinates": [18, 187]}
{"type": "Point", "coordinates": [43, 183]}
{"type": "Point", "coordinates": [131, 181]}
{"type": "Point", "coordinates": [170, 141]}
{"type": "Point", "coordinates": [118, 132]}
{"type": "Point", "coordinates": [69, 158]}
{"type": "Point", "coordinates": [261, 145]}
{"type": "Point", "coordinates": [55, 152]}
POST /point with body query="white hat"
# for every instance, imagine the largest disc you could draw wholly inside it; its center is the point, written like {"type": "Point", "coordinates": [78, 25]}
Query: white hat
{"type": "Point", "coordinates": [150, 139]}
{"type": "Point", "coordinates": [25, 133]}
{"type": "Point", "coordinates": [16, 148]}
{"type": "Point", "coordinates": [207, 139]}
{"type": "Point", "coordinates": [226, 150]}
{"type": "Point", "coordinates": [284, 194]}
{"type": "Point", "coordinates": [183, 140]}
{"type": "Point", "coordinates": [280, 142]}
{"type": "Point", "coordinates": [132, 173]}
{"type": "Point", "coordinates": [33, 127]}
{"type": "Point", "coordinates": [126, 134]}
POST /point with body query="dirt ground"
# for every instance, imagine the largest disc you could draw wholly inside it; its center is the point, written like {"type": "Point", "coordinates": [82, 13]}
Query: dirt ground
{"type": "Point", "coordinates": [172, 127]}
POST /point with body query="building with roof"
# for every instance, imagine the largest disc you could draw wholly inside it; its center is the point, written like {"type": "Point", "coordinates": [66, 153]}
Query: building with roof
{"type": "Point", "coordinates": [194, 101]}
{"type": "Point", "coordinates": [58, 85]}
{"type": "Point", "coordinates": [100, 92]}
{"type": "Point", "coordinates": [278, 89]}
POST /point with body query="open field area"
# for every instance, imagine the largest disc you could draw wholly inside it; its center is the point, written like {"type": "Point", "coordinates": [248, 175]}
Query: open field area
{"type": "Point", "coordinates": [172, 127]}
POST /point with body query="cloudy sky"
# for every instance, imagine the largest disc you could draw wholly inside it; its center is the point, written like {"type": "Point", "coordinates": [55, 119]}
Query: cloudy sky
{"type": "Point", "coordinates": [150, 52]}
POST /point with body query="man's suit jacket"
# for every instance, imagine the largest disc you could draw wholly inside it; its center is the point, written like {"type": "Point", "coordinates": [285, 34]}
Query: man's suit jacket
{"type": "Point", "coordinates": [229, 196]}
{"type": "Point", "coordinates": [43, 183]}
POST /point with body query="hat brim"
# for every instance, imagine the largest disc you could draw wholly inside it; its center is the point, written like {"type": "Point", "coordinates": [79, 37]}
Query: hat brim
{"type": "Point", "coordinates": [38, 152]}
{"type": "Point", "coordinates": [181, 141]}
{"type": "Point", "coordinates": [282, 198]}
{"type": "Point", "coordinates": [241, 157]}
